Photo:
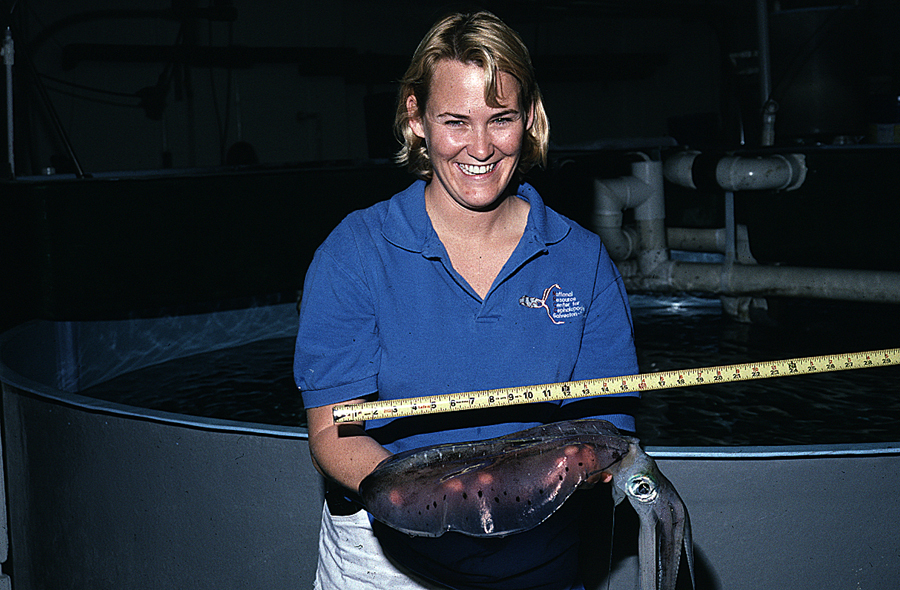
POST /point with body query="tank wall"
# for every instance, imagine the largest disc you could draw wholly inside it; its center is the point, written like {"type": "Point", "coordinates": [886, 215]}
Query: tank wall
{"type": "Point", "coordinates": [101, 495]}
{"type": "Point", "coordinates": [101, 501]}
{"type": "Point", "coordinates": [807, 522]}
{"type": "Point", "coordinates": [105, 501]}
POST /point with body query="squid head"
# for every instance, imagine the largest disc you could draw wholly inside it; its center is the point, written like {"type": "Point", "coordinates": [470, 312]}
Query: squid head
{"type": "Point", "coordinates": [664, 522]}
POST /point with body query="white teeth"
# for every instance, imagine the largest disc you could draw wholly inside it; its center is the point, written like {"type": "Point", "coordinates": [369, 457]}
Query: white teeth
{"type": "Point", "coordinates": [473, 170]}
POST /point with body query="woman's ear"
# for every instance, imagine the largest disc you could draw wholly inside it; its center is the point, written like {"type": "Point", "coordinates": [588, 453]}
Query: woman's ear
{"type": "Point", "coordinates": [530, 120]}
{"type": "Point", "coordinates": [415, 117]}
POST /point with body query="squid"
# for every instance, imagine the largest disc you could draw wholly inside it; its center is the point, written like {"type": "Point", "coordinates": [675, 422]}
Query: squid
{"type": "Point", "coordinates": [510, 484]}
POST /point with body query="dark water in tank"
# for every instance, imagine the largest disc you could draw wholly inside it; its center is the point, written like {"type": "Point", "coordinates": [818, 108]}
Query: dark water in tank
{"type": "Point", "coordinates": [854, 406]}
{"type": "Point", "coordinates": [254, 383]}
{"type": "Point", "coordinates": [249, 383]}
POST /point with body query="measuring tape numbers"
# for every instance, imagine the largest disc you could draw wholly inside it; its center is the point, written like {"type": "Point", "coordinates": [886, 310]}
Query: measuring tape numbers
{"type": "Point", "coordinates": [495, 398]}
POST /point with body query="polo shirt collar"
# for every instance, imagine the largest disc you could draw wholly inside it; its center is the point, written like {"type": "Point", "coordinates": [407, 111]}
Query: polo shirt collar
{"type": "Point", "coordinates": [407, 226]}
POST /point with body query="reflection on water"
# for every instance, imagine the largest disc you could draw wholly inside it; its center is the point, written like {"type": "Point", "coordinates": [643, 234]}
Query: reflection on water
{"type": "Point", "coordinates": [254, 383]}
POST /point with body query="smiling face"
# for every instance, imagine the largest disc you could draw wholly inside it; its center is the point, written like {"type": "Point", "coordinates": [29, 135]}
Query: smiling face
{"type": "Point", "coordinates": [474, 148]}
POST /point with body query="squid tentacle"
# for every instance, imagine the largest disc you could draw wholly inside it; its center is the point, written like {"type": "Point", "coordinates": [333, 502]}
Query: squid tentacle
{"type": "Point", "coordinates": [664, 522]}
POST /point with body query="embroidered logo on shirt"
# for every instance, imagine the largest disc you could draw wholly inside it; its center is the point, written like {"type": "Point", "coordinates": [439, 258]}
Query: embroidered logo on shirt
{"type": "Point", "coordinates": [558, 304]}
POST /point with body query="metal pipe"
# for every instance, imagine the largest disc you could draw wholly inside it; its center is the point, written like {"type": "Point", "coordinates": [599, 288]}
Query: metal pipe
{"type": "Point", "coordinates": [8, 60]}
{"type": "Point", "coordinates": [48, 104]}
{"type": "Point", "coordinates": [765, 59]}
{"type": "Point", "coordinates": [730, 233]}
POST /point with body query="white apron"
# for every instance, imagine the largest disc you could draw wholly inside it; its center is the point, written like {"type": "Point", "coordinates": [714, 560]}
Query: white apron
{"type": "Point", "coordinates": [350, 557]}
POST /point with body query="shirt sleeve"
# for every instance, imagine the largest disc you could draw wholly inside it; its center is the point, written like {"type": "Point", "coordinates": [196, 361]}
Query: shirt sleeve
{"type": "Point", "coordinates": [607, 348]}
{"type": "Point", "coordinates": [337, 352]}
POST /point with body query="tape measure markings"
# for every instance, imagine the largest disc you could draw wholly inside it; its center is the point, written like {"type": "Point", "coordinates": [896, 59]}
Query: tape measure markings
{"type": "Point", "coordinates": [453, 402]}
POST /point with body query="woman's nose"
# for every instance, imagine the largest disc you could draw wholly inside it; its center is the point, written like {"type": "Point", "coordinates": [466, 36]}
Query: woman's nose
{"type": "Point", "coordinates": [481, 145]}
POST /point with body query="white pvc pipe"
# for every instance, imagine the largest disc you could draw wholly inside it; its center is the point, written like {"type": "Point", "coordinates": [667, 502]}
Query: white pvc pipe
{"type": "Point", "coordinates": [766, 281]}
{"type": "Point", "coordinates": [711, 240]}
{"type": "Point", "coordinates": [740, 173]}
{"type": "Point", "coordinates": [776, 172]}
{"type": "Point", "coordinates": [652, 270]}
{"type": "Point", "coordinates": [642, 191]}
{"type": "Point", "coordinates": [696, 240]}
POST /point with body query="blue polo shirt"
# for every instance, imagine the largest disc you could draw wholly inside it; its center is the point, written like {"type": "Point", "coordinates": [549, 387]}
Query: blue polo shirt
{"type": "Point", "coordinates": [385, 313]}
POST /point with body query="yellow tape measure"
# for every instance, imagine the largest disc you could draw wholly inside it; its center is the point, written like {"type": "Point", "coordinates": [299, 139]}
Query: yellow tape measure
{"type": "Point", "coordinates": [453, 402]}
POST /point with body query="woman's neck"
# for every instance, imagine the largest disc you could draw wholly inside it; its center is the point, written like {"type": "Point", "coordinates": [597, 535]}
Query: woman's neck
{"type": "Point", "coordinates": [478, 242]}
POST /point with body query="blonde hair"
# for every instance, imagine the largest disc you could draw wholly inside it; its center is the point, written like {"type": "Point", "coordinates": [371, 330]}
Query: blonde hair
{"type": "Point", "coordinates": [483, 39]}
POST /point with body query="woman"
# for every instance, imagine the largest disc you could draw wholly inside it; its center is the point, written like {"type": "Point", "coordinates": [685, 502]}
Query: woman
{"type": "Point", "coordinates": [465, 281]}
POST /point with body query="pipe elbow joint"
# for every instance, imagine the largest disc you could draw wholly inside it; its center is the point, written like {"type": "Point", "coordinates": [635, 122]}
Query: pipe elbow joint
{"type": "Point", "coordinates": [615, 194]}
{"type": "Point", "coordinates": [632, 191]}
{"type": "Point", "coordinates": [621, 242]}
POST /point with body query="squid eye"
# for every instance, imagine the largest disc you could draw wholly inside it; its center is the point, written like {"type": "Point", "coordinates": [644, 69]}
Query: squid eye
{"type": "Point", "coordinates": [642, 488]}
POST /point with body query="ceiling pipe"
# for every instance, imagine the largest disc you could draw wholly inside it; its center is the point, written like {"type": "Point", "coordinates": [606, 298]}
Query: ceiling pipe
{"type": "Point", "coordinates": [692, 169]}
{"type": "Point", "coordinates": [768, 106]}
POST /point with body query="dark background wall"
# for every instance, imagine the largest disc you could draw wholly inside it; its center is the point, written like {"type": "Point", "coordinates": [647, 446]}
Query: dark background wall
{"type": "Point", "coordinates": [159, 84]}
{"type": "Point", "coordinates": [136, 126]}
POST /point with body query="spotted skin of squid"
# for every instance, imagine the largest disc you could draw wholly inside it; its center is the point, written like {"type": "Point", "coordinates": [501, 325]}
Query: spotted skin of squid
{"type": "Point", "coordinates": [510, 484]}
